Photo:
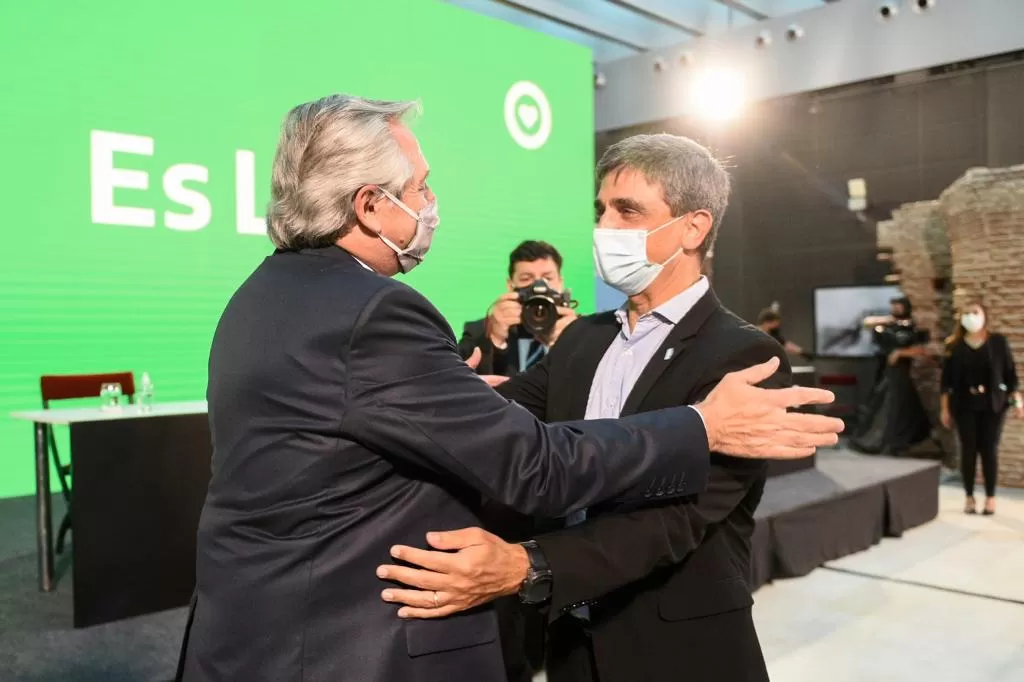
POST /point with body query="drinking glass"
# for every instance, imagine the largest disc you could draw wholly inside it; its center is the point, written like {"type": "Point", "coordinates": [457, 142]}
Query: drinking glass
{"type": "Point", "coordinates": [110, 396]}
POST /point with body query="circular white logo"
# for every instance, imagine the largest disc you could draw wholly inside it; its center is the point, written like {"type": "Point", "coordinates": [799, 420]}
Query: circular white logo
{"type": "Point", "coordinates": [527, 115]}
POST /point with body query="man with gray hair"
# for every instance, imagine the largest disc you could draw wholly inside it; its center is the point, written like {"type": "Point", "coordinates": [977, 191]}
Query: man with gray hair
{"type": "Point", "coordinates": [661, 593]}
{"type": "Point", "coordinates": [344, 422]}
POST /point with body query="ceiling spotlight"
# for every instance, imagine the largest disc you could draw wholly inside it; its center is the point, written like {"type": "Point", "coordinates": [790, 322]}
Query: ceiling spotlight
{"type": "Point", "coordinates": [763, 39]}
{"type": "Point", "coordinates": [794, 32]}
{"type": "Point", "coordinates": [659, 64]}
{"type": "Point", "coordinates": [600, 80]}
{"type": "Point", "coordinates": [686, 58]}
{"type": "Point", "coordinates": [923, 5]}
{"type": "Point", "coordinates": [887, 10]}
{"type": "Point", "coordinates": [716, 94]}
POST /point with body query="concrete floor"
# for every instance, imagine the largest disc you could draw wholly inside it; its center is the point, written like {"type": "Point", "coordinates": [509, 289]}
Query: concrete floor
{"type": "Point", "coordinates": [945, 602]}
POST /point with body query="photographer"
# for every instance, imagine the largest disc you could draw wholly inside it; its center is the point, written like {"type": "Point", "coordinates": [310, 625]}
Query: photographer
{"type": "Point", "coordinates": [525, 321]}
{"type": "Point", "coordinates": [894, 419]}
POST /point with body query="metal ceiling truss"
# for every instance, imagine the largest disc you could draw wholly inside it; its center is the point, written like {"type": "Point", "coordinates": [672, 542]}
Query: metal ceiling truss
{"type": "Point", "coordinates": [618, 28]}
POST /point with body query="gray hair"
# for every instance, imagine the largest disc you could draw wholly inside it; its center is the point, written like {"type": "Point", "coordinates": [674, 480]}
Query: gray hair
{"type": "Point", "coordinates": [691, 178]}
{"type": "Point", "coordinates": [328, 150]}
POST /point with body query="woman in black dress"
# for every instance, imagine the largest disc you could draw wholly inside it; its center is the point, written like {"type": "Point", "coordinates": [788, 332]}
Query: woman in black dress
{"type": "Point", "coordinates": [979, 385]}
{"type": "Point", "coordinates": [894, 419]}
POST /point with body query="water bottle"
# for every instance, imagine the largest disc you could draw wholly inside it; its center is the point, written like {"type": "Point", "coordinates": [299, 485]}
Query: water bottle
{"type": "Point", "coordinates": [144, 398]}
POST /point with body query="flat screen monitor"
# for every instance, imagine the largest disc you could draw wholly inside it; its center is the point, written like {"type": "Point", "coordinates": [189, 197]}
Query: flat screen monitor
{"type": "Point", "coordinates": [839, 314]}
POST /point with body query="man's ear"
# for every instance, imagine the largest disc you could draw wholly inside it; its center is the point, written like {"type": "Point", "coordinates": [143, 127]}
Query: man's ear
{"type": "Point", "coordinates": [367, 205]}
{"type": "Point", "coordinates": [698, 227]}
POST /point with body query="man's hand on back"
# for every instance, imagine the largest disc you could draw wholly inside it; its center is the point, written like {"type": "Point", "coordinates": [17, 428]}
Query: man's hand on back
{"type": "Point", "coordinates": [746, 421]}
{"type": "Point", "coordinates": [472, 567]}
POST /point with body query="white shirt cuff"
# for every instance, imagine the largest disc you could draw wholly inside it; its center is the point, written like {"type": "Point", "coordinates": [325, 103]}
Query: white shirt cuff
{"type": "Point", "coordinates": [695, 409]}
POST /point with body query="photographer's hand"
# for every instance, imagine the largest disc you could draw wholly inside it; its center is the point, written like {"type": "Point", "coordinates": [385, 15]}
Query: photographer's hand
{"type": "Point", "coordinates": [566, 316]}
{"type": "Point", "coordinates": [504, 314]}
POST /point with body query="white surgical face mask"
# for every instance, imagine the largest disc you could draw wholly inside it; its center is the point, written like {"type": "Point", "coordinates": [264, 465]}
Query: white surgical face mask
{"type": "Point", "coordinates": [620, 256]}
{"type": "Point", "coordinates": [973, 322]}
{"type": "Point", "coordinates": [427, 221]}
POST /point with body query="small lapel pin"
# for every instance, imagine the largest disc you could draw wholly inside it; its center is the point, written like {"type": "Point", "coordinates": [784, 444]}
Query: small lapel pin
{"type": "Point", "coordinates": [669, 353]}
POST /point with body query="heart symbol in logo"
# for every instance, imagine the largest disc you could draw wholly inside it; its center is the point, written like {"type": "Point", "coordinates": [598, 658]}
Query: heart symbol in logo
{"type": "Point", "coordinates": [528, 114]}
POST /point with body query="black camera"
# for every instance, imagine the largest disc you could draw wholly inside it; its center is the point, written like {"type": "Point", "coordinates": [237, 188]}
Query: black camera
{"type": "Point", "coordinates": [899, 334]}
{"type": "Point", "coordinates": [540, 307]}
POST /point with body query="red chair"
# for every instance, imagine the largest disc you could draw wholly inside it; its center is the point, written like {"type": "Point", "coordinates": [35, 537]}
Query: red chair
{"type": "Point", "coordinates": [846, 388]}
{"type": "Point", "coordinates": [69, 387]}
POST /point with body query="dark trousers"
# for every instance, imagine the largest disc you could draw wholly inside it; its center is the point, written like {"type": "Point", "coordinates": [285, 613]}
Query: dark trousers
{"type": "Point", "coordinates": [522, 638]}
{"type": "Point", "coordinates": [979, 432]}
{"type": "Point", "coordinates": [570, 652]}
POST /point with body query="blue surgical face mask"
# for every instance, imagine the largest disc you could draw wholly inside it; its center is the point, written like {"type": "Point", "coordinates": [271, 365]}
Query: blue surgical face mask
{"type": "Point", "coordinates": [620, 256]}
{"type": "Point", "coordinates": [427, 221]}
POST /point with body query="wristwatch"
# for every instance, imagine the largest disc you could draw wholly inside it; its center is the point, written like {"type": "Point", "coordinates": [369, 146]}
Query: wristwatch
{"type": "Point", "coordinates": [536, 589]}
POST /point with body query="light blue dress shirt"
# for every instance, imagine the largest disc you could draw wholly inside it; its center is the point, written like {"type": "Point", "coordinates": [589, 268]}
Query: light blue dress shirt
{"type": "Point", "coordinates": [632, 350]}
{"type": "Point", "coordinates": [625, 360]}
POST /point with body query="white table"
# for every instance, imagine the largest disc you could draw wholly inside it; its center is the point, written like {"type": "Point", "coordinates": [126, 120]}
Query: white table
{"type": "Point", "coordinates": [75, 415]}
{"type": "Point", "coordinates": [66, 417]}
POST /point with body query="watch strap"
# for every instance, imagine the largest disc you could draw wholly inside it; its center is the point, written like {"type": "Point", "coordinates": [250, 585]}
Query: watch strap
{"type": "Point", "coordinates": [536, 588]}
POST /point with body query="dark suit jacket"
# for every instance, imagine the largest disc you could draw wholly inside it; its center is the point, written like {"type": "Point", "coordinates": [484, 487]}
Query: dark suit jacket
{"type": "Point", "coordinates": [1002, 382]}
{"type": "Point", "coordinates": [499, 361]}
{"type": "Point", "coordinates": [344, 422]}
{"type": "Point", "coordinates": [669, 586]}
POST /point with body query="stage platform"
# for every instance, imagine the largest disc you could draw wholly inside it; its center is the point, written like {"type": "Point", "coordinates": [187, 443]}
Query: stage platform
{"type": "Point", "coordinates": [845, 504]}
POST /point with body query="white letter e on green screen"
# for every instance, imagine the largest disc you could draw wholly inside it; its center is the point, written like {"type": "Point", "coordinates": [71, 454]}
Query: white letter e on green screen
{"type": "Point", "coordinates": [105, 178]}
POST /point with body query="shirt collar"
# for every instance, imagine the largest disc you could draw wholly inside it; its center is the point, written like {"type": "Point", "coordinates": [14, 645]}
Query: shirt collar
{"type": "Point", "coordinates": [361, 262]}
{"type": "Point", "coordinates": [674, 309]}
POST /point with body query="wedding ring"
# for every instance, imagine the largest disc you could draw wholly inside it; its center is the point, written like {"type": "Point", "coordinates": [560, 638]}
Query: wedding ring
{"type": "Point", "coordinates": [436, 603]}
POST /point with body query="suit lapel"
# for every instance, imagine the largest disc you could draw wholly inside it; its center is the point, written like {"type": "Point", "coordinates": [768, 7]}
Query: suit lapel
{"type": "Point", "coordinates": [585, 359]}
{"type": "Point", "coordinates": [672, 348]}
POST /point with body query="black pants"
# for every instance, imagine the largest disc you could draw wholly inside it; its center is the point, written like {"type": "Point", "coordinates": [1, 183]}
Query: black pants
{"type": "Point", "coordinates": [570, 652]}
{"type": "Point", "coordinates": [522, 638]}
{"type": "Point", "coordinates": [979, 432]}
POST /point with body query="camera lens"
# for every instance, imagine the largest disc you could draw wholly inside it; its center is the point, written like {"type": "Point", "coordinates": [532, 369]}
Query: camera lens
{"type": "Point", "coordinates": [539, 316]}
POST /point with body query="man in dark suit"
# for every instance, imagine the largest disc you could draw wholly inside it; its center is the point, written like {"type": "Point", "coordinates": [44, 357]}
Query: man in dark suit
{"type": "Point", "coordinates": [344, 421]}
{"type": "Point", "coordinates": [660, 593]}
{"type": "Point", "coordinates": [506, 347]}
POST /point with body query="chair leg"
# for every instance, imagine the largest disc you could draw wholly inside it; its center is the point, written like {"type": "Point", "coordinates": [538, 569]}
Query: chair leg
{"type": "Point", "coordinates": [65, 527]}
{"type": "Point", "coordinates": [63, 471]}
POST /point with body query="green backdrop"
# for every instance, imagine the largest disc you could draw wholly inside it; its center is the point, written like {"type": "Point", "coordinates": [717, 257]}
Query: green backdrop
{"type": "Point", "coordinates": [203, 81]}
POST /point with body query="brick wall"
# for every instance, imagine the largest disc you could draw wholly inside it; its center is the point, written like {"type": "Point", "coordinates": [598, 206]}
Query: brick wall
{"type": "Point", "coordinates": [921, 254]}
{"type": "Point", "coordinates": [984, 218]}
